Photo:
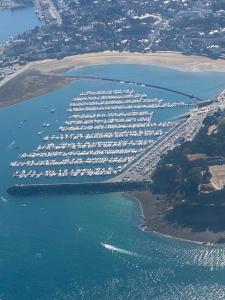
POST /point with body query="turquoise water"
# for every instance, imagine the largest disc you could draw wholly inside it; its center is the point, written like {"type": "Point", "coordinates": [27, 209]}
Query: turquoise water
{"type": "Point", "coordinates": [17, 21]}
{"type": "Point", "coordinates": [50, 246]}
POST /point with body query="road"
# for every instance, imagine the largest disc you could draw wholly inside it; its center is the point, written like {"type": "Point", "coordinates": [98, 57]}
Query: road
{"type": "Point", "coordinates": [145, 164]}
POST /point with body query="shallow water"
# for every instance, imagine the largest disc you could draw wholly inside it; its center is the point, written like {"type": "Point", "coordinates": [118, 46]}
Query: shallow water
{"type": "Point", "coordinates": [17, 21]}
{"type": "Point", "coordinates": [50, 246]}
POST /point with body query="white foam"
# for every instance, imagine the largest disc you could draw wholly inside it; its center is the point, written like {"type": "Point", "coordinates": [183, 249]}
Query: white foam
{"type": "Point", "coordinates": [119, 250]}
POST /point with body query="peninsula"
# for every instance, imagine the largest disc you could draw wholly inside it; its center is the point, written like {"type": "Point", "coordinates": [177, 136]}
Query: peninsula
{"type": "Point", "coordinates": [188, 190]}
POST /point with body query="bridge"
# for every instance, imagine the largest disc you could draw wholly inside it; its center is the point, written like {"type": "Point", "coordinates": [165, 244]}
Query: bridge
{"type": "Point", "coordinates": [190, 96]}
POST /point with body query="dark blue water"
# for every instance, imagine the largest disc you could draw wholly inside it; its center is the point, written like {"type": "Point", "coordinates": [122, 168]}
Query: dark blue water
{"type": "Point", "coordinates": [50, 246]}
{"type": "Point", "coordinates": [13, 22]}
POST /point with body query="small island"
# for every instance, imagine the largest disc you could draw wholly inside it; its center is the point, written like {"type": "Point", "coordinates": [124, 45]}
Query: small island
{"type": "Point", "coordinates": [188, 191]}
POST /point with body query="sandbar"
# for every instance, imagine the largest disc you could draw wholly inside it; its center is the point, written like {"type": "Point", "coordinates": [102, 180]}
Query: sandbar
{"type": "Point", "coordinates": [40, 77]}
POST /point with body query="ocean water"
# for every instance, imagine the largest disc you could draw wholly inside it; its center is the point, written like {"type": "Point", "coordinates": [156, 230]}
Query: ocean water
{"type": "Point", "coordinates": [17, 21]}
{"type": "Point", "coordinates": [90, 246]}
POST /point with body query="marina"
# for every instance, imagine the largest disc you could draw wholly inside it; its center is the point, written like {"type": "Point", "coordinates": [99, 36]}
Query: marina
{"type": "Point", "coordinates": [134, 106]}
{"type": "Point", "coordinates": [184, 131]}
{"type": "Point", "coordinates": [97, 145]}
{"type": "Point", "coordinates": [122, 142]}
{"type": "Point", "coordinates": [105, 135]}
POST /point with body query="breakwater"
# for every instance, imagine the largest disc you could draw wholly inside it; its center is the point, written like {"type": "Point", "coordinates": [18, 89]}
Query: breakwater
{"type": "Point", "coordinates": [190, 96]}
{"type": "Point", "coordinates": [78, 188]}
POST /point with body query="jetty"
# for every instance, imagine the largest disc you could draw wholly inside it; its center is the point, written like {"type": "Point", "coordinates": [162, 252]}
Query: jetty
{"type": "Point", "coordinates": [77, 188]}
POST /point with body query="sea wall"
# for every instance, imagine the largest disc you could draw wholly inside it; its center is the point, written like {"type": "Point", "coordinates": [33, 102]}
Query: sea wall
{"type": "Point", "coordinates": [80, 188]}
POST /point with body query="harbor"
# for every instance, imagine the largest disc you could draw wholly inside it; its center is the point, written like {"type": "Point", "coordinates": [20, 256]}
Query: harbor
{"type": "Point", "coordinates": [105, 131]}
{"type": "Point", "coordinates": [90, 107]}
{"type": "Point", "coordinates": [48, 222]}
{"type": "Point", "coordinates": [109, 136]}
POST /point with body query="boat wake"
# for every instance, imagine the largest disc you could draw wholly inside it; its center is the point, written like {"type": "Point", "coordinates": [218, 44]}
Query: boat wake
{"type": "Point", "coordinates": [78, 227]}
{"type": "Point", "coordinates": [119, 250]}
{"type": "Point", "coordinates": [3, 199]}
{"type": "Point", "coordinates": [11, 144]}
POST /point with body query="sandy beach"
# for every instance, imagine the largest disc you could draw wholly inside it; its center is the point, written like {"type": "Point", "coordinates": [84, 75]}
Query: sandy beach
{"type": "Point", "coordinates": [173, 60]}
{"type": "Point", "coordinates": [40, 77]}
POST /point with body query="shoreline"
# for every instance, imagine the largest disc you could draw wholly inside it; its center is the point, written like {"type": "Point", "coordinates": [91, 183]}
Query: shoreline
{"type": "Point", "coordinates": [49, 75]}
{"type": "Point", "coordinates": [41, 77]}
{"type": "Point", "coordinates": [153, 212]}
{"type": "Point", "coordinates": [174, 60]}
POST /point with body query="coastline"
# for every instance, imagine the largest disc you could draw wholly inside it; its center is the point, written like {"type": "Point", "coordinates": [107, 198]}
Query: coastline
{"type": "Point", "coordinates": [154, 209]}
{"type": "Point", "coordinates": [48, 75]}
{"type": "Point", "coordinates": [173, 60]}
{"type": "Point", "coordinates": [41, 77]}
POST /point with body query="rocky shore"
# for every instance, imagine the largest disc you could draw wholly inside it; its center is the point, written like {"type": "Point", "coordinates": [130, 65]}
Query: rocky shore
{"type": "Point", "coordinates": [156, 210]}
